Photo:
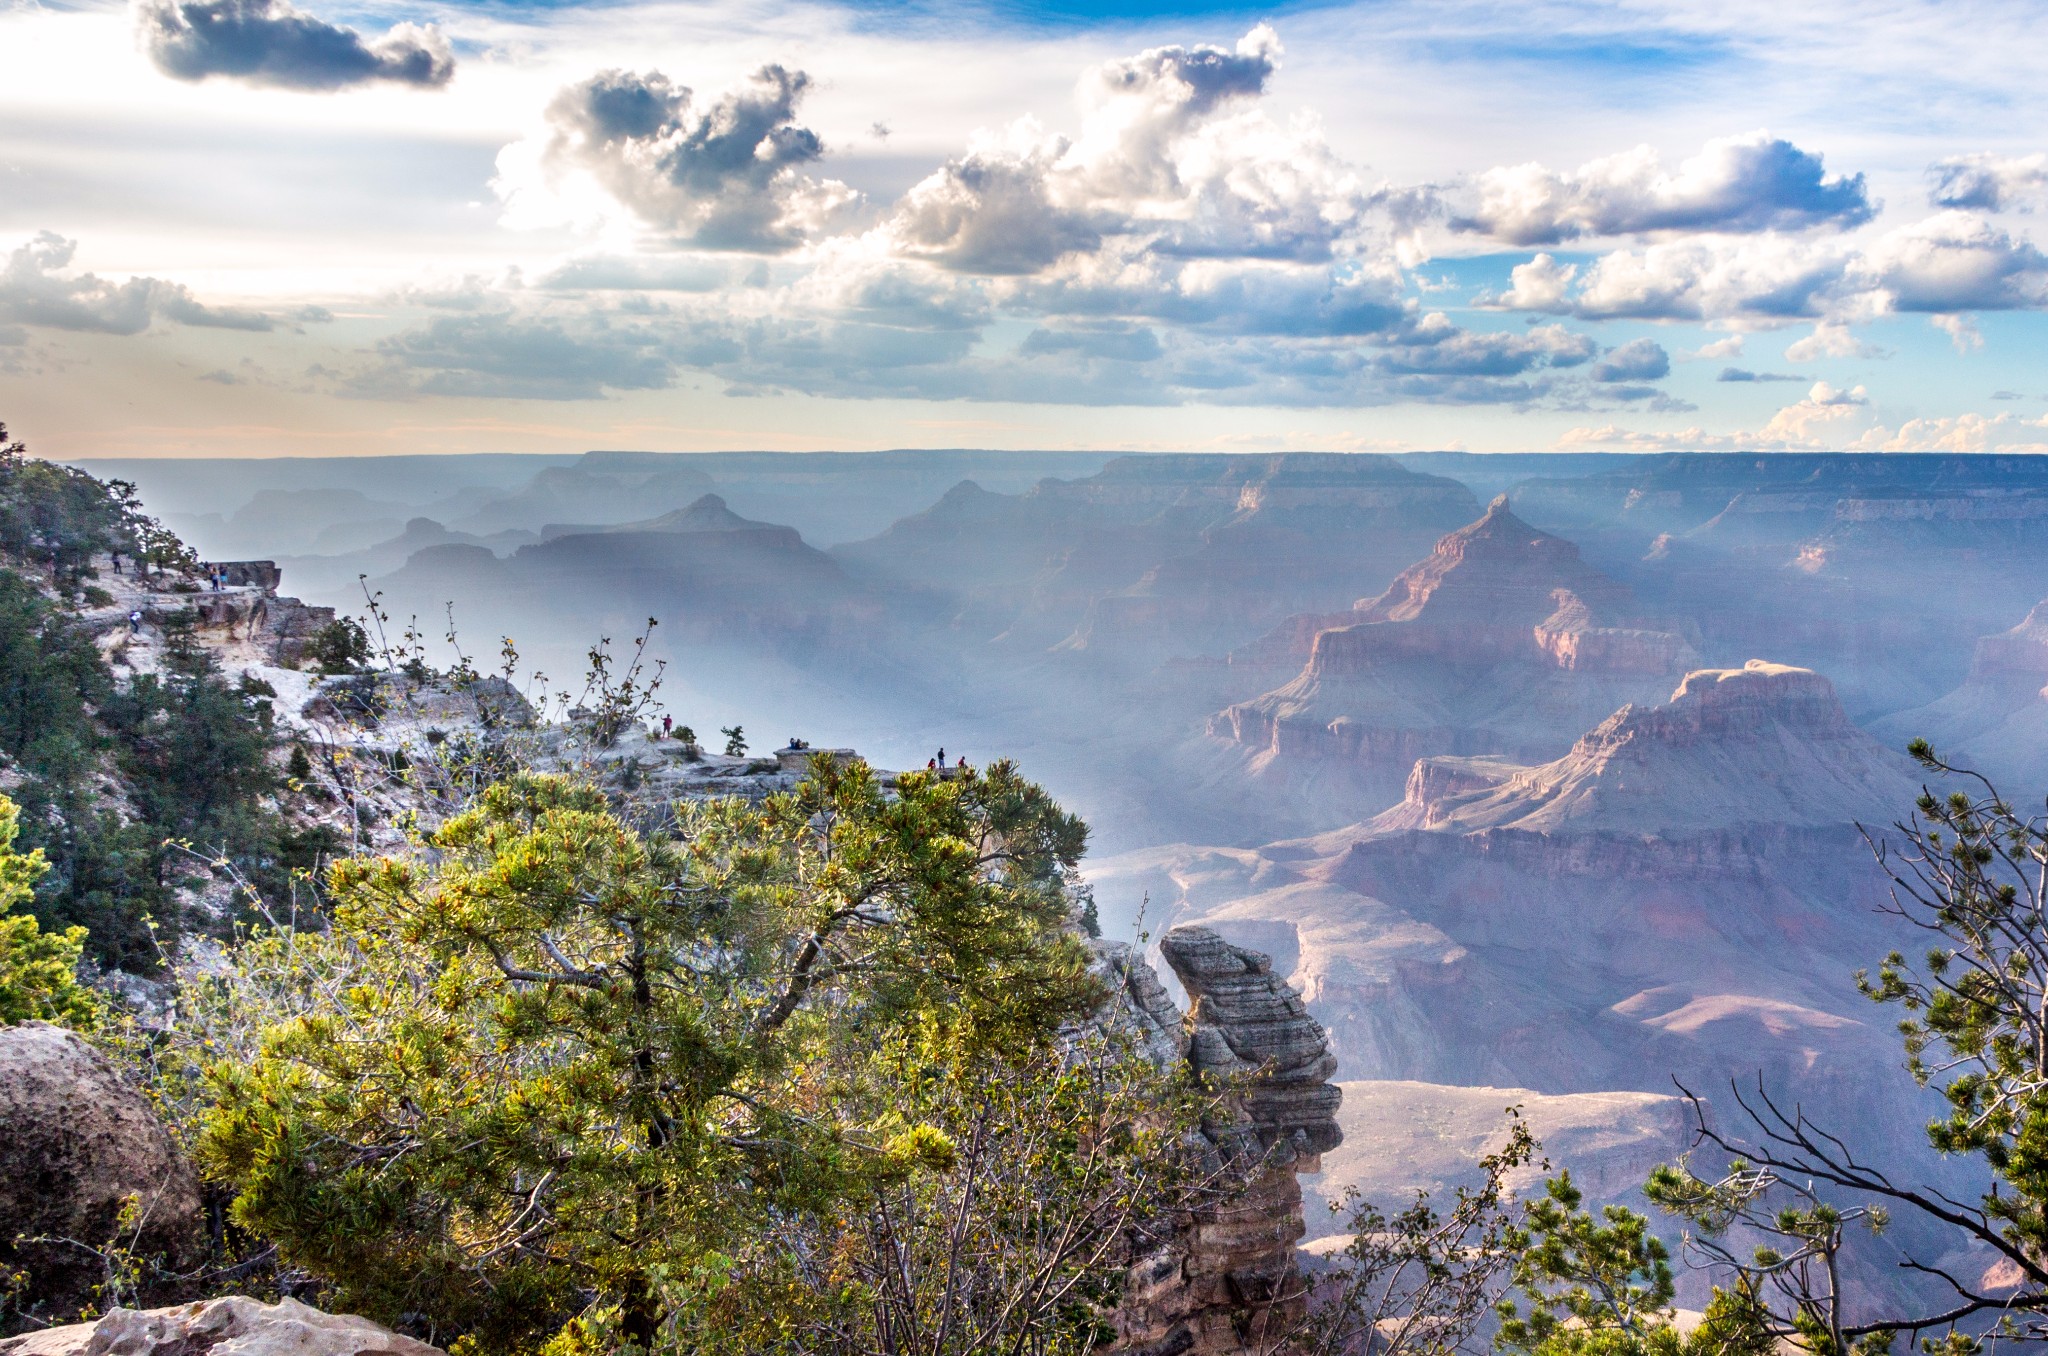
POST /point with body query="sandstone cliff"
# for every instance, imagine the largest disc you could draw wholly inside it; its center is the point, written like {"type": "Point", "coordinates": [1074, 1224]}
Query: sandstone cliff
{"type": "Point", "coordinates": [1230, 1274]}
{"type": "Point", "coordinates": [1683, 892]}
{"type": "Point", "coordinates": [1502, 641]}
{"type": "Point", "coordinates": [1765, 744]}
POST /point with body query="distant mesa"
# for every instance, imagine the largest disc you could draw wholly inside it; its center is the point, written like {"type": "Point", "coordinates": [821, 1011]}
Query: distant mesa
{"type": "Point", "coordinates": [707, 514]}
{"type": "Point", "coordinates": [599, 489]}
{"type": "Point", "coordinates": [1163, 556]}
{"type": "Point", "coordinates": [1763, 744]}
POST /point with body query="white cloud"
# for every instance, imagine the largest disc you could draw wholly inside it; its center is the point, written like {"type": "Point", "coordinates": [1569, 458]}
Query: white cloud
{"type": "Point", "coordinates": [1803, 426]}
{"type": "Point", "coordinates": [723, 174]}
{"type": "Point", "coordinates": [1993, 183]}
{"type": "Point", "coordinates": [1959, 433]}
{"type": "Point", "coordinates": [1961, 330]}
{"type": "Point", "coordinates": [1728, 346]}
{"type": "Point", "coordinates": [1830, 340]}
{"type": "Point", "coordinates": [1173, 151]}
{"type": "Point", "coordinates": [37, 288]}
{"type": "Point", "coordinates": [1539, 285]}
{"type": "Point", "coordinates": [1739, 184]}
{"type": "Point", "coordinates": [1955, 261]}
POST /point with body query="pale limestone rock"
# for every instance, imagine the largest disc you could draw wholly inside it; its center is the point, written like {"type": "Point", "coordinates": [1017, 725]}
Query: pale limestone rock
{"type": "Point", "coordinates": [235, 1326]}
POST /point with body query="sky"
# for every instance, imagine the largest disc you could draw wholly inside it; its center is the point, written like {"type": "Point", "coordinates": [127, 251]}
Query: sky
{"type": "Point", "coordinates": [245, 228]}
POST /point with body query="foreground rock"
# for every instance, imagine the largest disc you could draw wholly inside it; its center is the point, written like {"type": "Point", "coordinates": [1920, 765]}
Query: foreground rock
{"type": "Point", "coordinates": [235, 1326]}
{"type": "Point", "coordinates": [1230, 1279]}
{"type": "Point", "coordinates": [78, 1146]}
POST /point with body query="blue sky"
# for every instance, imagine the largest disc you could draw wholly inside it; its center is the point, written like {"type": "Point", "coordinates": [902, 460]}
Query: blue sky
{"type": "Point", "coordinates": [244, 227]}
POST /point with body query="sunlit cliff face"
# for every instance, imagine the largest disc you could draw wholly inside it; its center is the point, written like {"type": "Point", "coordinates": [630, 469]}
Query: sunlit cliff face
{"type": "Point", "coordinates": [448, 227]}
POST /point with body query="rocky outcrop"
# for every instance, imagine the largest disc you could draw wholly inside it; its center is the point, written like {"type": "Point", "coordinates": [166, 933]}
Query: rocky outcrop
{"type": "Point", "coordinates": [235, 1326]}
{"type": "Point", "coordinates": [1680, 894]}
{"type": "Point", "coordinates": [1765, 743]}
{"type": "Point", "coordinates": [1503, 641]}
{"type": "Point", "coordinates": [84, 1160]}
{"type": "Point", "coordinates": [1230, 1275]}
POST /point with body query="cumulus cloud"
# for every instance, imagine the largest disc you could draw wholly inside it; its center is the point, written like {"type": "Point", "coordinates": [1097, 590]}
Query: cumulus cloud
{"type": "Point", "coordinates": [1956, 261]}
{"type": "Point", "coordinates": [1950, 263]}
{"type": "Point", "coordinates": [1803, 426]}
{"type": "Point", "coordinates": [1436, 347]}
{"type": "Point", "coordinates": [1636, 360]}
{"type": "Point", "coordinates": [1960, 433]}
{"type": "Point", "coordinates": [1825, 407]}
{"type": "Point", "coordinates": [1736, 184]}
{"type": "Point", "coordinates": [720, 174]}
{"type": "Point", "coordinates": [268, 42]}
{"type": "Point", "coordinates": [1831, 341]}
{"type": "Point", "coordinates": [1542, 284]}
{"type": "Point", "coordinates": [1991, 183]}
{"type": "Point", "coordinates": [1961, 330]}
{"type": "Point", "coordinates": [1172, 151]}
{"type": "Point", "coordinates": [35, 290]}
{"type": "Point", "coordinates": [1728, 346]}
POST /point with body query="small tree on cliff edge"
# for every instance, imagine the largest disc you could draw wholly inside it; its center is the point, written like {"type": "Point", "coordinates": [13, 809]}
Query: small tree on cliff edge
{"type": "Point", "coordinates": [566, 1073]}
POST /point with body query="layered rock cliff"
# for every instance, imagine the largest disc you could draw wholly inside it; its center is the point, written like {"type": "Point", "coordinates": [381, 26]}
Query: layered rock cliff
{"type": "Point", "coordinates": [1682, 892]}
{"type": "Point", "coordinates": [1229, 1275]}
{"type": "Point", "coordinates": [1164, 556]}
{"type": "Point", "coordinates": [1765, 743]}
{"type": "Point", "coordinates": [1502, 641]}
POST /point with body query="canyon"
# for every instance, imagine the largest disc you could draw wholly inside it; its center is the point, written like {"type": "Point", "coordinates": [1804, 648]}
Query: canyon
{"type": "Point", "coordinates": [1543, 779]}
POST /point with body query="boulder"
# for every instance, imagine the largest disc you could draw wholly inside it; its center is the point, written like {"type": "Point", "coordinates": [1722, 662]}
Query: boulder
{"type": "Point", "coordinates": [235, 1326]}
{"type": "Point", "coordinates": [77, 1143]}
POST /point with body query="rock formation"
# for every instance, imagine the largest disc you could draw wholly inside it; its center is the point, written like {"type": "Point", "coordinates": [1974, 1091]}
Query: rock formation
{"type": "Point", "coordinates": [1996, 723]}
{"type": "Point", "coordinates": [79, 1147]}
{"type": "Point", "coordinates": [1230, 1274]}
{"type": "Point", "coordinates": [1765, 744]}
{"type": "Point", "coordinates": [235, 1326]}
{"type": "Point", "coordinates": [711, 577]}
{"type": "Point", "coordinates": [1502, 641]}
{"type": "Point", "coordinates": [1683, 892]}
